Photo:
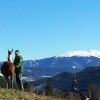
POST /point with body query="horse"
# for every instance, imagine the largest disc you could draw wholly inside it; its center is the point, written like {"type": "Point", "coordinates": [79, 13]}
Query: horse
{"type": "Point", "coordinates": [8, 70]}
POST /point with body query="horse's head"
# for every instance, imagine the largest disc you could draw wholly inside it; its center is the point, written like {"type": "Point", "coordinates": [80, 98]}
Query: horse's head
{"type": "Point", "coordinates": [10, 55]}
{"type": "Point", "coordinates": [10, 52]}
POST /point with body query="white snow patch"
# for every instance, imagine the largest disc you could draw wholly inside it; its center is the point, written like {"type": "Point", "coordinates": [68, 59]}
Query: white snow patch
{"type": "Point", "coordinates": [29, 71]}
{"type": "Point", "coordinates": [46, 76]}
{"type": "Point", "coordinates": [74, 67]}
{"type": "Point", "coordinates": [89, 61]}
{"type": "Point", "coordinates": [81, 53]}
{"type": "Point", "coordinates": [27, 78]}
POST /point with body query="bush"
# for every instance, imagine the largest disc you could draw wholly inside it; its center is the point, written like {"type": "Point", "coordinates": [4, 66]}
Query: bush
{"type": "Point", "coordinates": [48, 90]}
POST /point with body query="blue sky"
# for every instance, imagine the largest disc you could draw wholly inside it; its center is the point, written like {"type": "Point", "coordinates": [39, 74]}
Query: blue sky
{"type": "Point", "coordinates": [44, 28]}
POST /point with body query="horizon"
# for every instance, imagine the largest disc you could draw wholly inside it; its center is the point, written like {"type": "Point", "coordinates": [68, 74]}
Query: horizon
{"type": "Point", "coordinates": [42, 29]}
{"type": "Point", "coordinates": [80, 53]}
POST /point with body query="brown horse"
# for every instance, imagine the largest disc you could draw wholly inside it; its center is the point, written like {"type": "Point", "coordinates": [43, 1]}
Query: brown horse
{"type": "Point", "coordinates": [8, 70]}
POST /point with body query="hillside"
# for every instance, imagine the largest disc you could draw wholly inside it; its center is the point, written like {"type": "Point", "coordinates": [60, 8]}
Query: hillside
{"type": "Point", "coordinates": [63, 81]}
{"type": "Point", "coordinates": [89, 76]}
{"type": "Point", "coordinates": [48, 67]}
{"type": "Point", "coordinates": [14, 94]}
{"type": "Point", "coordinates": [51, 66]}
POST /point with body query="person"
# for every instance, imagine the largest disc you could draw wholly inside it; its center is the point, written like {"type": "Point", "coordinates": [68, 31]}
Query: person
{"type": "Point", "coordinates": [18, 62]}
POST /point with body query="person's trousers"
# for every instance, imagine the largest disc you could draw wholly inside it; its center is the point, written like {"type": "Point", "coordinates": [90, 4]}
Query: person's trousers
{"type": "Point", "coordinates": [19, 80]}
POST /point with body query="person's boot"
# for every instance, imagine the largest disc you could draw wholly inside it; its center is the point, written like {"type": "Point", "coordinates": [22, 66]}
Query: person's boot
{"type": "Point", "coordinates": [21, 86]}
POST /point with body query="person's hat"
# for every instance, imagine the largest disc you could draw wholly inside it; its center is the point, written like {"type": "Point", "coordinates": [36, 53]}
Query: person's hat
{"type": "Point", "coordinates": [17, 51]}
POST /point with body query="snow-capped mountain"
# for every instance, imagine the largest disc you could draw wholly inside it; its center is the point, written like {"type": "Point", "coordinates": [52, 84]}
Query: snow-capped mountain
{"type": "Point", "coordinates": [81, 53]}
{"type": "Point", "coordinates": [75, 60]}
{"type": "Point", "coordinates": [70, 61]}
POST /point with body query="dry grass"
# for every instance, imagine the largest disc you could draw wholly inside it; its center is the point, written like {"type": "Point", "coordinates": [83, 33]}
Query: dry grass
{"type": "Point", "coordinates": [14, 94]}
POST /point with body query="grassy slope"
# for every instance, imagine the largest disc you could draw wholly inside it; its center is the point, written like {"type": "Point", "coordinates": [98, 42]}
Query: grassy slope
{"type": "Point", "coordinates": [13, 94]}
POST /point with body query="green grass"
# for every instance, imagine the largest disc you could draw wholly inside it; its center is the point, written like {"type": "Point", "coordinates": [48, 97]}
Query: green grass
{"type": "Point", "coordinates": [13, 94]}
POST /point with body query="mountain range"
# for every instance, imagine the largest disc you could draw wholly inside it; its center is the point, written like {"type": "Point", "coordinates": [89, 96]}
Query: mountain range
{"type": "Point", "coordinates": [73, 61]}
{"type": "Point", "coordinates": [63, 81]}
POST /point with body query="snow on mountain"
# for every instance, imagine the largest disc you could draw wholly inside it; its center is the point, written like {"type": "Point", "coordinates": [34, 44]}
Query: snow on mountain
{"type": "Point", "coordinates": [81, 53]}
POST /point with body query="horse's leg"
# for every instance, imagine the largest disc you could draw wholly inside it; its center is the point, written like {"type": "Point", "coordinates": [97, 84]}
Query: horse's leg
{"type": "Point", "coordinates": [7, 83]}
{"type": "Point", "coordinates": [12, 81]}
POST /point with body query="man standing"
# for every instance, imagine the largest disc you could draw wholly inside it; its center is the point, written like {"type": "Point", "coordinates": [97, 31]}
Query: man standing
{"type": "Point", "coordinates": [18, 62]}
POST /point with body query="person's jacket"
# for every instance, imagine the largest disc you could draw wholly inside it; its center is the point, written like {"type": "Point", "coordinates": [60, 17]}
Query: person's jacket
{"type": "Point", "coordinates": [18, 62]}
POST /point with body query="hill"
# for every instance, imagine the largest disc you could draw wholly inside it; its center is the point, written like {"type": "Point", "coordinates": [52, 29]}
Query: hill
{"type": "Point", "coordinates": [89, 76]}
{"type": "Point", "coordinates": [52, 66]}
{"type": "Point", "coordinates": [63, 81]}
{"type": "Point", "coordinates": [49, 67]}
{"type": "Point", "coordinates": [14, 94]}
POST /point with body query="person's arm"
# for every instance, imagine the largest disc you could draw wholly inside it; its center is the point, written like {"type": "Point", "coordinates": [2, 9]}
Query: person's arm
{"type": "Point", "coordinates": [19, 61]}
{"type": "Point", "coordinates": [15, 61]}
